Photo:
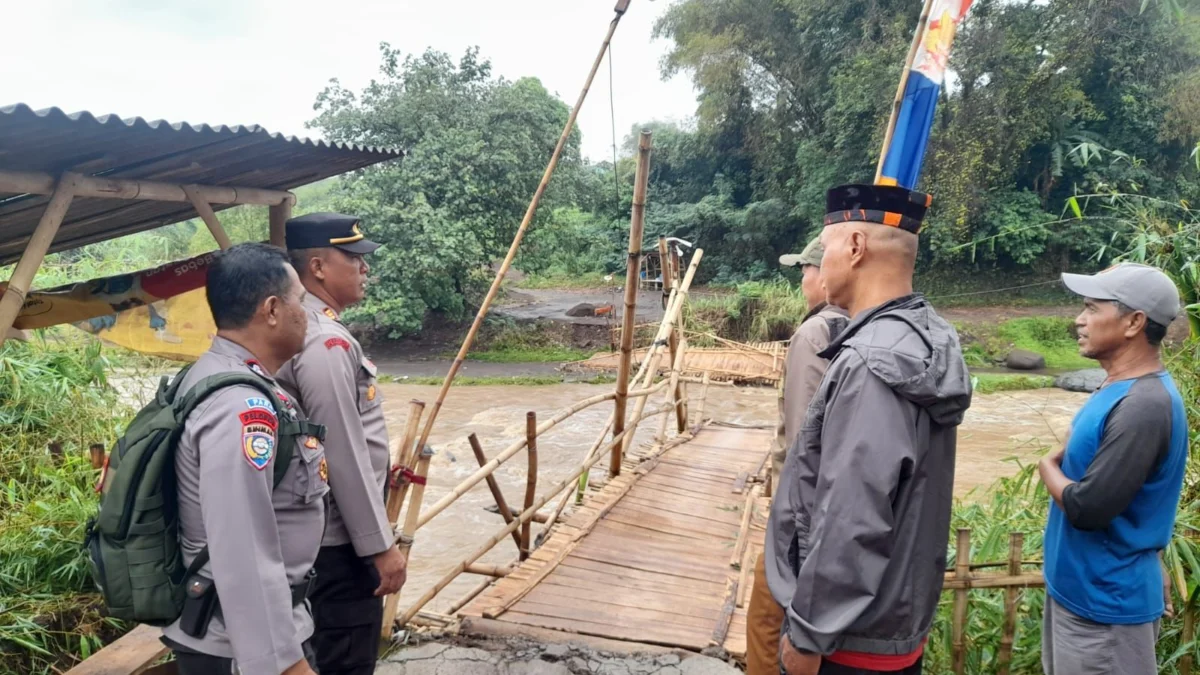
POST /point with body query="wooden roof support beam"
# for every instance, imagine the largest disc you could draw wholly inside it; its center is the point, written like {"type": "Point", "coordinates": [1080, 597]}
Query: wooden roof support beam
{"type": "Point", "coordinates": [204, 209]}
{"type": "Point", "coordinates": [25, 182]}
{"type": "Point", "coordinates": [63, 191]}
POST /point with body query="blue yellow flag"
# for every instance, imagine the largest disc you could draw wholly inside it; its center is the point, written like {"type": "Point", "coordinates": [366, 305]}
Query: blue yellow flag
{"type": "Point", "coordinates": [904, 155]}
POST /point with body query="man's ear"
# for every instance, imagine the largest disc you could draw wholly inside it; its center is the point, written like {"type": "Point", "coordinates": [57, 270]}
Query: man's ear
{"type": "Point", "coordinates": [270, 309]}
{"type": "Point", "coordinates": [856, 245]}
{"type": "Point", "coordinates": [1135, 324]}
{"type": "Point", "coordinates": [316, 266]}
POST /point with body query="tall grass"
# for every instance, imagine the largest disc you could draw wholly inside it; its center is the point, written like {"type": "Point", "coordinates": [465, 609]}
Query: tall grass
{"type": "Point", "coordinates": [757, 311]}
{"type": "Point", "coordinates": [50, 391]}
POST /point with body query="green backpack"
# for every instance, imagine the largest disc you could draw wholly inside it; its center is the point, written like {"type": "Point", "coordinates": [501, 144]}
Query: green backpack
{"type": "Point", "coordinates": [133, 542]}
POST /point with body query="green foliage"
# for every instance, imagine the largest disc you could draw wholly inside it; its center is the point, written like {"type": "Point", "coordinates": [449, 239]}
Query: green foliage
{"type": "Point", "coordinates": [555, 278]}
{"type": "Point", "coordinates": [476, 148]}
{"type": "Point", "coordinates": [1051, 336]}
{"type": "Point", "coordinates": [501, 381]}
{"type": "Point", "coordinates": [49, 612]}
{"type": "Point", "coordinates": [991, 383]}
{"type": "Point", "coordinates": [754, 312]}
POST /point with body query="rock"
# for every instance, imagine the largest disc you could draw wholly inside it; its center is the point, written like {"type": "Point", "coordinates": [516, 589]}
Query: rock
{"type": "Point", "coordinates": [704, 665]}
{"type": "Point", "coordinates": [668, 660]}
{"type": "Point", "coordinates": [1020, 359]}
{"type": "Point", "coordinates": [556, 652]}
{"type": "Point", "coordinates": [1085, 381]}
{"type": "Point", "coordinates": [582, 309]}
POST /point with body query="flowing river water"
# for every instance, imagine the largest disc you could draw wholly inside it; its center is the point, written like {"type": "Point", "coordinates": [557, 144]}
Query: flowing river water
{"type": "Point", "coordinates": [998, 427]}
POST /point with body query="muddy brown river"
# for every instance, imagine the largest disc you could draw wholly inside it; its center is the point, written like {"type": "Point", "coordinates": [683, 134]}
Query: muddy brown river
{"type": "Point", "coordinates": [998, 427]}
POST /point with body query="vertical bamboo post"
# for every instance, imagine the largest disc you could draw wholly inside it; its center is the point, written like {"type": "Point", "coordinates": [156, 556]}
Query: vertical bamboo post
{"type": "Point", "coordinates": [899, 100]}
{"type": "Point", "coordinates": [35, 251]}
{"type": "Point", "coordinates": [406, 537]}
{"type": "Point", "coordinates": [629, 319]}
{"type": "Point", "coordinates": [681, 404]}
{"type": "Point", "coordinates": [97, 455]}
{"type": "Point", "coordinates": [505, 512]}
{"type": "Point", "coordinates": [962, 572]}
{"type": "Point", "coordinates": [530, 480]}
{"type": "Point", "coordinates": [703, 398]}
{"type": "Point", "coordinates": [401, 459]}
{"type": "Point", "coordinates": [278, 216]}
{"type": "Point", "coordinates": [205, 211]}
{"type": "Point", "coordinates": [1016, 546]}
{"type": "Point", "coordinates": [1187, 635]}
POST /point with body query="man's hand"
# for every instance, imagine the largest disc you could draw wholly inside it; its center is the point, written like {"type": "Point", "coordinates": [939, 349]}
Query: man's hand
{"type": "Point", "coordinates": [795, 663]}
{"type": "Point", "coordinates": [300, 667]}
{"type": "Point", "coordinates": [1169, 606]}
{"type": "Point", "coordinates": [393, 571]}
{"type": "Point", "coordinates": [1056, 457]}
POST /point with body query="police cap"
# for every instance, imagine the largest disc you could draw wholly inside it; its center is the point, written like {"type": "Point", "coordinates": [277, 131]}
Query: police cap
{"type": "Point", "coordinates": [325, 230]}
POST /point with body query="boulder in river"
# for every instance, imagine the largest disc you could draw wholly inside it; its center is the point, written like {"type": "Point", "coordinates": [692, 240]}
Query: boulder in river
{"type": "Point", "coordinates": [1085, 381]}
{"type": "Point", "coordinates": [582, 309]}
{"type": "Point", "coordinates": [1021, 359]}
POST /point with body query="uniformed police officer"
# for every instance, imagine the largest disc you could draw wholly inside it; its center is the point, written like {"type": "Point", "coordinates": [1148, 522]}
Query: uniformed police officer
{"type": "Point", "coordinates": [359, 561]}
{"type": "Point", "coordinates": [262, 541]}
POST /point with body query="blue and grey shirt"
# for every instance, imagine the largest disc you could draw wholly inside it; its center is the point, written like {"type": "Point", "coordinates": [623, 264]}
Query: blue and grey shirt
{"type": "Point", "coordinates": [1126, 453]}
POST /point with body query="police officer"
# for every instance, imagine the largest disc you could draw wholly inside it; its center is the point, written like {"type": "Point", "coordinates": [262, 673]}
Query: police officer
{"type": "Point", "coordinates": [359, 561]}
{"type": "Point", "coordinates": [262, 539]}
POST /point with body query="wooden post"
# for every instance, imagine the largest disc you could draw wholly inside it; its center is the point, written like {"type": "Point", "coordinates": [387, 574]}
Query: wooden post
{"type": "Point", "coordinates": [1186, 636]}
{"type": "Point", "coordinates": [35, 251]}
{"type": "Point", "coordinates": [899, 100]}
{"type": "Point", "coordinates": [703, 398]}
{"type": "Point", "coordinates": [401, 459]}
{"type": "Point", "coordinates": [505, 512]}
{"type": "Point", "coordinates": [406, 537]}
{"type": "Point", "coordinates": [671, 277]}
{"type": "Point", "coordinates": [530, 480]}
{"type": "Point", "coordinates": [205, 211]}
{"type": "Point", "coordinates": [629, 319]}
{"type": "Point", "coordinates": [278, 217]}
{"type": "Point", "coordinates": [97, 453]}
{"type": "Point", "coordinates": [962, 571]}
{"type": "Point", "coordinates": [520, 235]}
{"type": "Point", "coordinates": [1016, 545]}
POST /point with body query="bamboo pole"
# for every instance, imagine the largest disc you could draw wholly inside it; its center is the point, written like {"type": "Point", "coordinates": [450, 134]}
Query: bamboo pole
{"type": "Point", "coordinates": [205, 211]}
{"type": "Point", "coordinates": [277, 217]}
{"type": "Point", "coordinates": [489, 570]}
{"type": "Point", "coordinates": [506, 454]}
{"type": "Point", "coordinates": [469, 596]}
{"type": "Point", "coordinates": [674, 338]}
{"type": "Point", "coordinates": [505, 512]}
{"type": "Point", "coordinates": [406, 537]}
{"type": "Point", "coordinates": [1016, 546]}
{"type": "Point", "coordinates": [524, 226]}
{"type": "Point", "coordinates": [1186, 636]}
{"type": "Point", "coordinates": [35, 251]}
{"type": "Point", "coordinates": [530, 480]}
{"type": "Point", "coordinates": [703, 399]}
{"type": "Point", "coordinates": [899, 100]}
{"type": "Point", "coordinates": [399, 460]}
{"type": "Point", "coordinates": [511, 527]}
{"type": "Point", "coordinates": [743, 538]}
{"type": "Point", "coordinates": [1030, 580]}
{"type": "Point", "coordinates": [962, 571]}
{"type": "Point", "coordinates": [632, 267]}
{"type": "Point", "coordinates": [35, 183]}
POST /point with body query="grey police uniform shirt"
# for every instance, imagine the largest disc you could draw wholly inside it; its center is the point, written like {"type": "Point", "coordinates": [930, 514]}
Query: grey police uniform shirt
{"type": "Point", "coordinates": [261, 541]}
{"type": "Point", "coordinates": [336, 384]}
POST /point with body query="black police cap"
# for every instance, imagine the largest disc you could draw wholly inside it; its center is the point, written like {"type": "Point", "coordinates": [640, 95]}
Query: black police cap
{"type": "Point", "coordinates": [883, 204]}
{"type": "Point", "coordinates": [324, 230]}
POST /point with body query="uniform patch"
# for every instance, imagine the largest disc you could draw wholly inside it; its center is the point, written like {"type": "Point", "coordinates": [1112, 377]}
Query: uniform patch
{"type": "Point", "coordinates": [331, 314]}
{"type": "Point", "coordinates": [287, 403]}
{"type": "Point", "coordinates": [312, 443]}
{"type": "Point", "coordinates": [371, 392]}
{"type": "Point", "coordinates": [323, 470]}
{"type": "Point", "coordinates": [260, 403]}
{"type": "Point", "coordinates": [259, 417]}
{"type": "Point", "coordinates": [258, 447]}
{"type": "Point", "coordinates": [337, 342]}
{"type": "Point", "coordinates": [257, 368]}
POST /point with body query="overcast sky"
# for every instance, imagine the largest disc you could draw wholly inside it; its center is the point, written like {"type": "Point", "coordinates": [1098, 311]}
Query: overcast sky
{"type": "Point", "coordinates": [264, 61]}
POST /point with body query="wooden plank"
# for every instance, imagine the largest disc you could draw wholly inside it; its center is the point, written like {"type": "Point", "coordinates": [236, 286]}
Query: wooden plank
{"type": "Point", "coordinates": [721, 631]}
{"type": "Point", "coordinates": [649, 542]}
{"type": "Point", "coordinates": [492, 628]}
{"type": "Point", "coordinates": [686, 507]}
{"type": "Point", "coordinates": [132, 654]}
{"type": "Point", "coordinates": [587, 577]}
{"type": "Point", "coordinates": [646, 624]}
{"type": "Point", "coordinates": [739, 485]}
{"type": "Point", "coordinates": [634, 607]}
{"type": "Point", "coordinates": [637, 577]}
{"type": "Point", "coordinates": [648, 563]}
{"type": "Point", "coordinates": [676, 536]}
{"type": "Point", "coordinates": [640, 515]}
{"type": "Point", "coordinates": [625, 632]}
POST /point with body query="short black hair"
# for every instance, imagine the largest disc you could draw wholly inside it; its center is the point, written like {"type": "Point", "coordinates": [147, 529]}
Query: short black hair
{"type": "Point", "coordinates": [1155, 332]}
{"type": "Point", "coordinates": [300, 258]}
{"type": "Point", "coordinates": [240, 278]}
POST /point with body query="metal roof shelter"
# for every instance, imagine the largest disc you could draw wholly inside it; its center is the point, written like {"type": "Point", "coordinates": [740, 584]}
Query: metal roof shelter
{"type": "Point", "coordinates": [67, 180]}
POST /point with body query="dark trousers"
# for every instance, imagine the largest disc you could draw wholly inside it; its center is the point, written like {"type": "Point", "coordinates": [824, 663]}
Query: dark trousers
{"type": "Point", "coordinates": [194, 663]}
{"type": "Point", "coordinates": [347, 614]}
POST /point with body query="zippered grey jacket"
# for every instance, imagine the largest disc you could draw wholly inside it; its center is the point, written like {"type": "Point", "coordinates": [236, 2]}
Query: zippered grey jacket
{"type": "Point", "coordinates": [856, 539]}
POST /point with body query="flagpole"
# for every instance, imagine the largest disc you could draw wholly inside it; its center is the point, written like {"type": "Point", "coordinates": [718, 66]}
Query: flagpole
{"type": "Point", "coordinates": [912, 56]}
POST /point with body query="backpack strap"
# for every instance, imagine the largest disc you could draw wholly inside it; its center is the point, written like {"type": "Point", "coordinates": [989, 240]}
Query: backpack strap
{"type": "Point", "coordinates": [287, 428]}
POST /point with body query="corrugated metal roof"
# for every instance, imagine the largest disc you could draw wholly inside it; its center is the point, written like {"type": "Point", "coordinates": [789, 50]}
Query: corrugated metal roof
{"type": "Point", "coordinates": [52, 141]}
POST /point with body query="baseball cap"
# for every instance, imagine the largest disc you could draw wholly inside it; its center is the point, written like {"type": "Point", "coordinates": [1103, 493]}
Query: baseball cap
{"type": "Point", "coordinates": [811, 255]}
{"type": "Point", "coordinates": [322, 230]}
{"type": "Point", "coordinates": [1140, 287]}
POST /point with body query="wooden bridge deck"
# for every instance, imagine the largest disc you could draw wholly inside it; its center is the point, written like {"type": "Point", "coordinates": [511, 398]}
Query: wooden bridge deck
{"type": "Point", "coordinates": [661, 555]}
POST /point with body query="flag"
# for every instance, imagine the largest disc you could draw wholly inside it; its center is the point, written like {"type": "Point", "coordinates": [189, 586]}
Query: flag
{"type": "Point", "coordinates": [904, 155]}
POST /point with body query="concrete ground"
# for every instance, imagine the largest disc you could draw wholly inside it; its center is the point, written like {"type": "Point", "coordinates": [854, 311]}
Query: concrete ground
{"type": "Point", "coordinates": [519, 656]}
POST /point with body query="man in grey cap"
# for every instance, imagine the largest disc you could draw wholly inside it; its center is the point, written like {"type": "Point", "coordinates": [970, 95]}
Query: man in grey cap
{"type": "Point", "coordinates": [802, 372]}
{"type": "Point", "coordinates": [1115, 484]}
{"type": "Point", "coordinates": [336, 384]}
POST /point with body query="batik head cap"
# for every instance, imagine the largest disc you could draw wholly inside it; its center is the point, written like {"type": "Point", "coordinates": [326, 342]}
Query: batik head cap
{"type": "Point", "coordinates": [882, 204]}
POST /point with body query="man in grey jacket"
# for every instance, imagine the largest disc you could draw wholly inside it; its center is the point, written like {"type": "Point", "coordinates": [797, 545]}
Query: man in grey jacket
{"type": "Point", "coordinates": [857, 535]}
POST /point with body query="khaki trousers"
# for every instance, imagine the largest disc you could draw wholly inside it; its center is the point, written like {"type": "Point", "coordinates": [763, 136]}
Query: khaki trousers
{"type": "Point", "coordinates": [763, 620]}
